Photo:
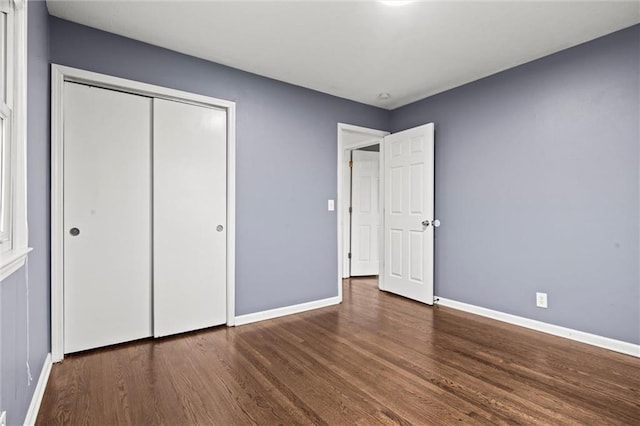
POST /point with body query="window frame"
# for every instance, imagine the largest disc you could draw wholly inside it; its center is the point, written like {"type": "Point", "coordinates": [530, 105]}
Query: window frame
{"type": "Point", "coordinates": [14, 111]}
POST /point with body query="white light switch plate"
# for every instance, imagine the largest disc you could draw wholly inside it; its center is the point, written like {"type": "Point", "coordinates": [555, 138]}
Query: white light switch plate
{"type": "Point", "coordinates": [331, 205]}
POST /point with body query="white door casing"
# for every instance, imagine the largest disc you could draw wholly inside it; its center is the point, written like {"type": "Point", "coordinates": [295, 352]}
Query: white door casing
{"type": "Point", "coordinates": [409, 200]}
{"type": "Point", "coordinates": [107, 199]}
{"type": "Point", "coordinates": [365, 216]}
{"type": "Point", "coordinates": [189, 237]}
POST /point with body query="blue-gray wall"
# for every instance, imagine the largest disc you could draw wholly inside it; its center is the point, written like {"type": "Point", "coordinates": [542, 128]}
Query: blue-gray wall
{"type": "Point", "coordinates": [286, 160]}
{"type": "Point", "coordinates": [16, 393]}
{"type": "Point", "coordinates": [537, 177]}
{"type": "Point", "coordinates": [537, 187]}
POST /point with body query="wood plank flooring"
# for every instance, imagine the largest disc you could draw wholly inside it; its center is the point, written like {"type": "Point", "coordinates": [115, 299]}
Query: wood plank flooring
{"type": "Point", "coordinates": [374, 359]}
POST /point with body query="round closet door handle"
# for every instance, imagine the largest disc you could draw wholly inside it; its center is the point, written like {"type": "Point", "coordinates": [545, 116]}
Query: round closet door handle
{"type": "Point", "coordinates": [74, 232]}
{"type": "Point", "coordinates": [219, 228]}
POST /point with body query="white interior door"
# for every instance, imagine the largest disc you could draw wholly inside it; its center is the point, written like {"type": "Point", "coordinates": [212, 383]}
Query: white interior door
{"type": "Point", "coordinates": [107, 217]}
{"type": "Point", "coordinates": [189, 238]}
{"type": "Point", "coordinates": [365, 216]}
{"type": "Point", "coordinates": [409, 189]}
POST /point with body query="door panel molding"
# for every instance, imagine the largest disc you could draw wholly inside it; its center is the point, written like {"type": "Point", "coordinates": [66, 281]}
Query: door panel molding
{"type": "Point", "coordinates": [60, 74]}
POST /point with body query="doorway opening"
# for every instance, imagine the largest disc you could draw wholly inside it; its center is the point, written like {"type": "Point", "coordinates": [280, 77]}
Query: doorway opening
{"type": "Point", "coordinates": [360, 201]}
{"type": "Point", "coordinates": [405, 191]}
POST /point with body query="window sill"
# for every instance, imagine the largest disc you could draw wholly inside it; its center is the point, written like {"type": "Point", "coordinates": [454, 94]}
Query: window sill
{"type": "Point", "coordinates": [13, 261]}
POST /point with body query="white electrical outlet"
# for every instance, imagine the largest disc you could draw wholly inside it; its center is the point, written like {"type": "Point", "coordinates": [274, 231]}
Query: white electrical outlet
{"type": "Point", "coordinates": [541, 300]}
{"type": "Point", "coordinates": [3, 419]}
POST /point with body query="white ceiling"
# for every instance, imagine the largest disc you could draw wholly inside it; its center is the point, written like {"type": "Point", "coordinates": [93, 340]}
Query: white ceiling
{"type": "Point", "coordinates": [358, 49]}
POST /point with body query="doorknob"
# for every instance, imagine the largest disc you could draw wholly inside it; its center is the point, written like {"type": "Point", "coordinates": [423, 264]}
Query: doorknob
{"type": "Point", "coordinates": [74, 232]}
{"type": "Point", "coordinates": [434, 222]}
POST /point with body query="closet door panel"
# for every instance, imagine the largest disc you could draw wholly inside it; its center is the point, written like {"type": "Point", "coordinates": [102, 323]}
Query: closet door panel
{"type": "Point", "coordinates": [107, 217]}
{"type": "Point", "coordinates": [189, 238]}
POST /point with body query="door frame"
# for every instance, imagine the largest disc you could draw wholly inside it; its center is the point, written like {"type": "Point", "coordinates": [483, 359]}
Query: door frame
{"type": "Point", "coordinates": [61, 74]}
{"type": "Point", "coordinates": [370, 137]}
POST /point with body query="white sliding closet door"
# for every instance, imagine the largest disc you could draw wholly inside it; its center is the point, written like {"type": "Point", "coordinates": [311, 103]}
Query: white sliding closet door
{"type": "Point", "coordinates": [189, 238]}
{"type": "Point", "coordinates": [107, 217]}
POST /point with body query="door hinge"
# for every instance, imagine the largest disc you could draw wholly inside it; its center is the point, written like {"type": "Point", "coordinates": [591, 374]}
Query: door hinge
{"type": "Point", "coordinates": [348, 255]}
{"type": "Point", "coordinates": [350, 210]}
{"type": "Point", "coordinates": [351, 164]}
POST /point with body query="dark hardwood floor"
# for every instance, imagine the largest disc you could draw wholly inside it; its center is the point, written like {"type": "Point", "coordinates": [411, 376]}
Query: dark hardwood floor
{"type": "Point", "coordinates": [376, 358]}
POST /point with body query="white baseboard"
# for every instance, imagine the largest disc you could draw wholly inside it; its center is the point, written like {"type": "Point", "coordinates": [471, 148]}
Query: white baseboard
{"type": "Point", "coordinates": [568, 333]}
{"type": "Point", "coordinates": [287, 310]}
{"type": "Point", "coordinates": [38, 393]}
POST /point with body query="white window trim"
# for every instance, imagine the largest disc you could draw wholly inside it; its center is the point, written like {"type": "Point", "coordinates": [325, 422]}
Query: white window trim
{"type": "Point", "coordinates": [14, 259]}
